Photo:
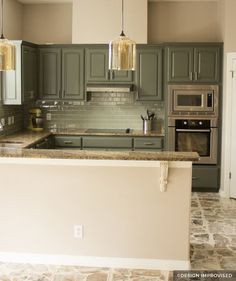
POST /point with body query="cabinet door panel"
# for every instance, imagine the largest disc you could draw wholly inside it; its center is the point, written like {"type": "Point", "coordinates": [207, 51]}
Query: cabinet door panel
{"type": "Point", "coordinates": [180, 64]}
{"type": "Point", "coordinates": [96, 64]}
{"type": "Point", "coordinates": [149, 74]}
{"type": "Point", "coordinates": [29, 66]}
{"type": "Point", "coordinates": [122, 76]}
{"type": "Point", "coordinates": [207, 64]}
{"type": "Point", "coordinates": [73, 73]}
{"type": "Point", "coordinates": [50, 73]}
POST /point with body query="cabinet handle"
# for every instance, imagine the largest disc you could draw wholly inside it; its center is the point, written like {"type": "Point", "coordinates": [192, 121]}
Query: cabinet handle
{"type": "Point", "coordinates": [68, 142]}
{"type": "Point", "coordinates": [196, 75]}
{"type": "Point", "coordinates": [195, 178]}
{"type": "Point", "coordinates": [191, 76]}
{"type": "Point", "coordinates": [149, 143]}
{"type": "Point", "coordinates": [108, 75]}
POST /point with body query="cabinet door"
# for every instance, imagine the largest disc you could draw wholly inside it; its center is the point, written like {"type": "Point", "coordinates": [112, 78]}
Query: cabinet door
{"type": "Point", "coordinates": [73, 73]}
{"type": "Point", "coordinates": [206, 64]}
{"type": "Point", "coordinates": [49, 73]}
{"type": "Point", "coordinates": [149, 74]}
{"type": "Point", "coordinates": [29, 69]}
{"type": "Point", "coordinates": [121, 76]}
{"type": "Point", "coordinates": [96, 65]}
{"type": "Point", "coordinates": [180, 64]}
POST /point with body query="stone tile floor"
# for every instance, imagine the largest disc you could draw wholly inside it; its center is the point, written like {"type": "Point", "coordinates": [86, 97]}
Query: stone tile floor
{"type": "Point", "coordinates": [213, 247]}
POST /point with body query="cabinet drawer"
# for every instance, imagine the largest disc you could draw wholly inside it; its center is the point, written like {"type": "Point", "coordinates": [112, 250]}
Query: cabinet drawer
{"type": "Point", "coordinates": [67, 141]}
{"type": "Point", "coordinates": [204, 177]}
{"type": "Point", "coordinates": [107, 142]}
{"type": "Point", "coordinates": [148, 143]}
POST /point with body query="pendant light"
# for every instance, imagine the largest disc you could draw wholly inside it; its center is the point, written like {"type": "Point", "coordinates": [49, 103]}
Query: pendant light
{"type": "Point", "coordinates": [7, 50]}
{"type": "Point", "coordinates": [122, 51]}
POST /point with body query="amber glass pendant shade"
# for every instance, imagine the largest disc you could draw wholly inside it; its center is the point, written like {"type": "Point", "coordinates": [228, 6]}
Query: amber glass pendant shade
{"type": "Point", "coordinates": [7, 55]}
{"type": "Point", "coordinates": [7, 51]}
{"type": "Point", "coordinates": [122, 51]}
{"type": "Point", "coordinates": [122, 54]}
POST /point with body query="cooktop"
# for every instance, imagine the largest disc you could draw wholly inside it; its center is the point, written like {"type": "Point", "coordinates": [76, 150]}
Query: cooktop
{"type": "Point", "coordinates": [114, 131]}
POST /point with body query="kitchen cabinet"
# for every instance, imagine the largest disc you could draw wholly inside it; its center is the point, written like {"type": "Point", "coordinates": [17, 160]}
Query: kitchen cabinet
{"type": "Point", "coordinates": [61, 73]}
{"type": "Point", "coordinates": [97, 68]}
{"type": "Point", "coordinates": [148, 143]}
{"type": "Point", "coordinates": [29, 70]}
{"type": "Point", "coordinates": [205, 178]}
{"type": "Point", "coordinates": [107, 142]}
{"type": "Point", "coordinates": [67, 142]}
{"type": "Point", "coordinates": [199, 64]}
{"type": "Point", "coordinates": [149, 73]}
{"type": "Point", "coordinates": [12, 80]}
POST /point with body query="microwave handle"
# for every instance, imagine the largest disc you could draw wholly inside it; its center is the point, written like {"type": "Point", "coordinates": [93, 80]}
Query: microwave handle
{"type": "Point", "coordinates": [209, 100]}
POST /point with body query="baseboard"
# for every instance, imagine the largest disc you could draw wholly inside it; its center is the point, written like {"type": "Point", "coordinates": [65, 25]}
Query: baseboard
{"type": "Point", "coordinates": [133, 263]}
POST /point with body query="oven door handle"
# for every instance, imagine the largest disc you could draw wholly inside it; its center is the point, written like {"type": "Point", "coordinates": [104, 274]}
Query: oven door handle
{"type": "Point", "coordinates": [194, 131]}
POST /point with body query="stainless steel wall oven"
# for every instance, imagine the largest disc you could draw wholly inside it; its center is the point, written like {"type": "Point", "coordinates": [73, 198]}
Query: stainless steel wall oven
{"type": "Point", "coordinates": [198, 135]}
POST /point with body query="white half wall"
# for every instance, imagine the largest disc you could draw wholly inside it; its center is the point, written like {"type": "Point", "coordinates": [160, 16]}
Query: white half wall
{"type": "Point", "coordinates": [100, 21]}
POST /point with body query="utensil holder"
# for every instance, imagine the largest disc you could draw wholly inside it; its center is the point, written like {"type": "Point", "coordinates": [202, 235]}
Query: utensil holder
{"type": "Point", "coordinates": [147, 126]}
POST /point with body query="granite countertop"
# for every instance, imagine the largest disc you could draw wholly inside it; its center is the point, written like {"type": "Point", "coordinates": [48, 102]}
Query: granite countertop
{"type": "Point", "coordinates": [26, 139]}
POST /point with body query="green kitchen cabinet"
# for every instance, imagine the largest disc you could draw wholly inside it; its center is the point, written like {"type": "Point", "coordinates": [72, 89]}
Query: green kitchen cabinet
{"type": "Point", "coordinates": [61, 73]}
{"type": "Point", "coordinates": [149, 73]}
{"type": "Point", "coordinates": [199, 64]}
{"type": "Point", "coordinates": [97, 67]}
{"type": "Point", "coordinates": [29, 72]}
{"type": "Point", "coordinates": [50, 73]}
{"type": "Point", "coordinates": [72, 73]}
{"type": "Point", "coordinates": [148, 143]}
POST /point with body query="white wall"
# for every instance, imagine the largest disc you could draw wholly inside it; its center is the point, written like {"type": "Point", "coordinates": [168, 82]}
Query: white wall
{"type": "Point", "coordinates": [100, 21]}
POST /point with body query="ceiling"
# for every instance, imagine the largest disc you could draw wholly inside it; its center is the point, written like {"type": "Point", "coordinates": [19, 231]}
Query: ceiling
{"type": "Point", "coordinates": [70, 1]}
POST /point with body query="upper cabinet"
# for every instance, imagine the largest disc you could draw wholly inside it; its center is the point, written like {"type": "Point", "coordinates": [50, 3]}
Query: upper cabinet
{"type": "Point", "coordinates": [61, 73]}
{"type": "Point", "coordinates": [97, 67]}
{"type": "Point", "coordinates": [29, 70]}
{"type": "Point", "coordinates": [193, 64]}
{"type": "Point", "coordinates": [149, 73]}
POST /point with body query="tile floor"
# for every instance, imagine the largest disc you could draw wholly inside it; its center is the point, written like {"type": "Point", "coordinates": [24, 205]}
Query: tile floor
{"type": "Point", "coordinates": [213, 247]}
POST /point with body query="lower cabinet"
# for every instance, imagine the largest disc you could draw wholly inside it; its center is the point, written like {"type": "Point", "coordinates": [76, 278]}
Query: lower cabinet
{"type": "Point", "coordinates": [205, 178]}
{"type": "Point", "coordinates": [107, 143]}
{"type": "Point", "coordinates": [67, 142]}
{"type": "Point", "coordinates": [148, 143]}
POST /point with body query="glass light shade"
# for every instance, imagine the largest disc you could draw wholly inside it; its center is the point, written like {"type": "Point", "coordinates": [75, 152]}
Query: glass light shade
{"type": "Point", "coordinates": [7, 55]}
{"type": "Point", "coordinates": [122, 54]}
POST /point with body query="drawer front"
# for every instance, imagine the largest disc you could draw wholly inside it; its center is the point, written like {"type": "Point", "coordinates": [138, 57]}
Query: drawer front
{"type": "Point", "coordinates": [67, 141]}
{"type": "Point", "coordinates": [148, 143]}
{"type": "Point", "coordinates": [107, 142]}
{"type": "Point", "coordinates": [205, 177]}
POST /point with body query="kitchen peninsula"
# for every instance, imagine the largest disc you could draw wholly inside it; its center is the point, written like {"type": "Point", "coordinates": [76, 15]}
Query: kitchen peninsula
{"type": "Point", "coordinates": [132, 207]}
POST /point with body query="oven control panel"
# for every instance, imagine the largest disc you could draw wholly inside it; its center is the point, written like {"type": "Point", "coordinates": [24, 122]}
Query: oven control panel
{"type": "Point", "coordinates": [192, 124]}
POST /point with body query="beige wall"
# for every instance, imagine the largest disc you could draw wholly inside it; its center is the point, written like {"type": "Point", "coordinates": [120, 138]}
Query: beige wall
{"type": "Point", "coordinates": [100, 21]}
{"type": "Point", "coordinates": [183, 21]}
{"type": "Point", "coordinates": [13, 20]}
{"type": "Point", "coordinates": [121, 207]}
{"type": "Point", "coordinates": [229, 24]}
{"type": "Point", "coordinates": [47, 23]}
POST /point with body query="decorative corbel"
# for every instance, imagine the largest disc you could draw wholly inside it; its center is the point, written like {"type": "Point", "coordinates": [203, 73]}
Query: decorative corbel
{"type": "Point", "coordinates": [163, 175]}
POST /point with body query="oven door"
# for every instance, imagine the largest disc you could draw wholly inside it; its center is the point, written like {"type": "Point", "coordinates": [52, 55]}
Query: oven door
{"type": "Point", "coordinates": [202, 141]}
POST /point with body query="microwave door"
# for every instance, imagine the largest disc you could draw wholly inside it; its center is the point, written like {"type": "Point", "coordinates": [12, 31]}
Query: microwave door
{"type": "Point", "coordinates": [189, 101]}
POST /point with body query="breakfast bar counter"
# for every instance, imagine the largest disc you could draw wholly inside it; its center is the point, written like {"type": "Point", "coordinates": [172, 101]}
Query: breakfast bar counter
{"type": "Point", "coordinates": [96, 208]}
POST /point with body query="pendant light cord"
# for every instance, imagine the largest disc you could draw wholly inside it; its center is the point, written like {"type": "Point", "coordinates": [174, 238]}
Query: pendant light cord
{"type": "Point", "coordinates": [122, 18]}
{"type": "Point", "coordinates": [2, 37]}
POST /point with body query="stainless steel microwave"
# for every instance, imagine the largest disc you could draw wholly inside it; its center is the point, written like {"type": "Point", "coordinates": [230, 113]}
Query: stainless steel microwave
{"type": "Point", "coordinates": [193, 99]}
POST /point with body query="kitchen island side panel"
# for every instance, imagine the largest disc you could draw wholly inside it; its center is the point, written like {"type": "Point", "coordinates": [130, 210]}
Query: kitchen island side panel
{"type": "Point", "coordinates": [123, 212]}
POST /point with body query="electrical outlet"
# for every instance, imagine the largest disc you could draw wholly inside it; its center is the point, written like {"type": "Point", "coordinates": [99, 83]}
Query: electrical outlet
{"type": "Point", "coordinates": [9, 121]}
{"type": "Point", "coordinates": [78, 231]}
{"type": "Point", "coordinates": [49, 116]}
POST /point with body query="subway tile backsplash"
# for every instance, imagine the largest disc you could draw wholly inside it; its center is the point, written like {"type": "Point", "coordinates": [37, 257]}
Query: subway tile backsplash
{"type": "Point", "coordinates": [106, 110]}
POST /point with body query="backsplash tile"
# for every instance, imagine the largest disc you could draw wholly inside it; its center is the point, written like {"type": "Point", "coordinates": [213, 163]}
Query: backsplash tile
{"type": "Point", "coordinates": [107, 110]}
